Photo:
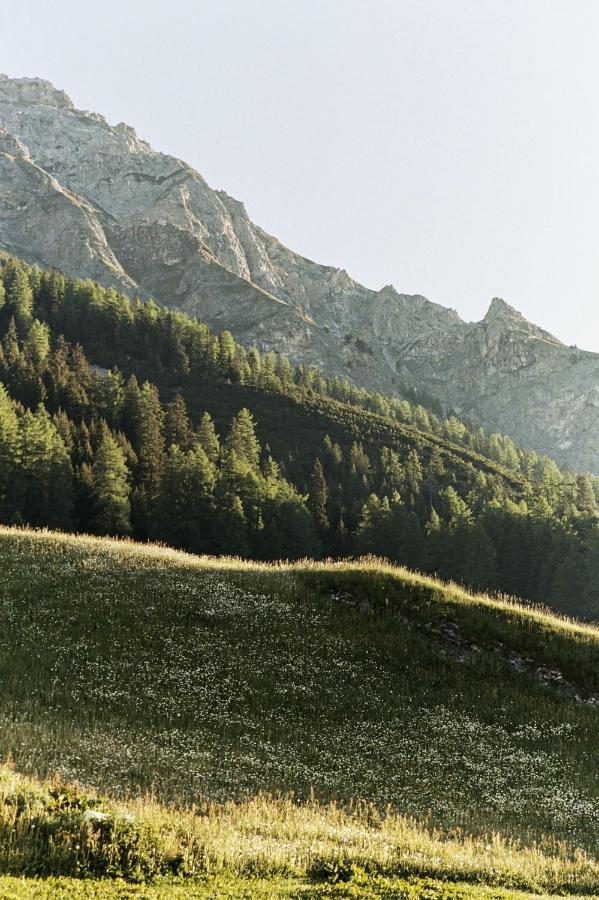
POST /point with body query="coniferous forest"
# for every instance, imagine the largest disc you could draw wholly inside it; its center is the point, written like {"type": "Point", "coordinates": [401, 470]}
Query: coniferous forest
{"type": "Point", "coordinates": [120, 417]}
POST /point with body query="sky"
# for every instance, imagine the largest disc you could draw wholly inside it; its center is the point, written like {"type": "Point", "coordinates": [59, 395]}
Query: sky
{"type": "Point", "coordinates": [447, 147]}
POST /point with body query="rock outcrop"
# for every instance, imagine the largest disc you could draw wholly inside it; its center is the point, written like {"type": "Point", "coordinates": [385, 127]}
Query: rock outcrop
{"type": "Point", "coordinates": [94, 200]}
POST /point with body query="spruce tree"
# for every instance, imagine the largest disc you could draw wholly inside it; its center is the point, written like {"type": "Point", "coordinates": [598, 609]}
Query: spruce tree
{"type": "Point", "coordinates": [142, 418]}
{"type": "Point", "coordinates": [10, 346]}
{"type": "Point", "coordinates": [150, 449]}
{"type": "Point", "coordinates": [376, 532]}
{"type": "Point", "coordinates": [50, 295]}
{"type": "Point", "coordinates": [242, 439]}
{"type": "Point", "coordinates": [11, 481]}
{"type": "Point", "coordinates": [231, 536]}
{"type": "Point", "coordinates": [177, 427]}
{"type": "Point", "coordinates": [112, 508]}
{"type": "Point", "coordinates": [585, 497]}
{"type": "Point", "coordinates": [287, 527]}
{"type": "Point", "coordinates": [413, 472]}
{"type": "Point", "coordinates": [131, 410]}
{"type": "Point", "coordinates": [208, 438]}
{"type": "Point", "coordinates": [47, 472]}
{"type": "Point", "coordinates": [37, 344]}
{"type": "Point", "coordinates": [456, 510]}
{"type": "Point", "coordinates": [19, 300]}
{"type": "Point", "coordinates": [319, 495]}
{"type": "Point", "coordinates": [108, 394]}
{"type": "Point", "coordinates": [184, 506]}
{"type": "Point", "coordinates": [84, 497]}
{"type": "Point", "coordinates": [66, 430]}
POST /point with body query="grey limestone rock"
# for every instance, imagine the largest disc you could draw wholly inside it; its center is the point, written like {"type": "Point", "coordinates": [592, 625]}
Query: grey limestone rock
{"type": "Point", "coordinates": [94, 200]}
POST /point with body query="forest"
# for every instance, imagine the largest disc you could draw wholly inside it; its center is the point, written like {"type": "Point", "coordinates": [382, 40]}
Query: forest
{"type": "Point", "coordinates": [120, 417]}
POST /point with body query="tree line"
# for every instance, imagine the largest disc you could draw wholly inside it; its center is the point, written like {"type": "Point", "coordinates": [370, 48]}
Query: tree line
{"type": "Point", "coordinates": [119, 417]}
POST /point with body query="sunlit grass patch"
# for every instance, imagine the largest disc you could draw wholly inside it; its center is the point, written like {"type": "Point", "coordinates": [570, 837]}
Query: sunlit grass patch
{"type": "Point", "coordinates": [297, 721]}
{"type": "Point", "coordinates": [56, 828]}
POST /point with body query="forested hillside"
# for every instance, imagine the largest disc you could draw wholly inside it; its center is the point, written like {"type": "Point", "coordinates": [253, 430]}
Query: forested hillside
{"type": "Point", "coordinates": [119, 417]}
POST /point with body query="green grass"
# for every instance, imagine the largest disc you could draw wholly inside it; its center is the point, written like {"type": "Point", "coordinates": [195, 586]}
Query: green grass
{"type": "Point", "coordinates": [304, 724]}
{"type": "Point", "coordinates": [260, 848]}
{"type": "Point", "coordinates": [253, 889]}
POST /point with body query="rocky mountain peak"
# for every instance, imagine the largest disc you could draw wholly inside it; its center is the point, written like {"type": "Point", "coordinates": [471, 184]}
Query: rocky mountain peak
{"type": "Point", "coordinates": [505, 318]}
{"type": "Point", "coordinates": [96, 201]}
{"type": "Point", "coordinates": [500, 310]}
{"type": "Point", "coordinates": [25, 91]}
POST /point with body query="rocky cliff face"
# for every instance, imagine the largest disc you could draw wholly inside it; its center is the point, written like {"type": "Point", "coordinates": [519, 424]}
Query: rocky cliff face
{"type": "Point", "coordinates": [95, 200]}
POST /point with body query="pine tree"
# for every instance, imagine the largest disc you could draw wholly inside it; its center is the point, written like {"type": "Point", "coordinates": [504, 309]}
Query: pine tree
{"type": "Point", "coordinates": [37, 344]}
{"type": "Point", "coordinates": [83, 448]}
{"type": "Point", "coordinates": [47, 472]}
{"type": "Point", "coordinates": [128, 451]}
{"type": "Point", "coordinates": [11, 484]}
{"type": "Point", "coordinates": [435, 468]}
{"type": "Point", "coordinates": [340, 540]}
{"type": "Point", "coordinates": [319, 496]}
{"type": "Point", "coordinates": [376, 532]}
{"type": "Point", "coordinates": [433, 526]}
{"type": "Point", "coordinates": [177, 427]}
{"type": "Point", "coordinates": [231, 536]}
{"type": "Point", "coordinates": [19, 299]}
{"type": "Point", "coordinates": [585, 497]}
{"type": "Point", "coordinates": [226, 347]}
{"type": "Point", "coordinates": [110, 487]}
{"type": "Point", "coordinates": [50, 295]}
{"type": "Point", "coordinates": [392, 471]}
{"type": "Point", "coordinates": [151, 448]}
{"type": "Point", "coordinates": [242, 439]}
{"type": "Point", "coordinates": [413, 470]}
{"type": "Point", "coordinates": [287, 529]}
{"type": "Point", "coordinates": [66, 430]}
{"type": "Point", "coordinates": [143, 420]}
{"type": "Point", "coordinates": [84, 497]}
{"type": "Point", "coordinates": [208, 438]}
{"type": "Point", "coordinates": [131, 410]}
{"type": "Point", "coordinates": [333, 454]}
{"type": "Point", "coordinates": [358, 460]}
{"type": "Point", "coordinates": [255, 365]}
{"type": "Point", "coordinates": [456, 510]}
{"type": "Point", "coordinates": [184, 506]}
{"type": "Point", "coordinates": [10, 346]}
{"type": "Point", "coordinates": [108, 395]}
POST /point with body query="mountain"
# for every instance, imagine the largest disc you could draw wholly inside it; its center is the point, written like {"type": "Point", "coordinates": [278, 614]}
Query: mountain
{"type": "Point", "coordinates": [97, 201]}
{"type": "Point", "coordinates": [307, 730]}
{"type": "Point", "coordinates": [121, 417]}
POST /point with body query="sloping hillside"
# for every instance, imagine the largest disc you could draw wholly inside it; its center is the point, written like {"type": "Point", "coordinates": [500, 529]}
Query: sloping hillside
{"type": "Point", "coordinates": [226, 451]}
{"type": "Point", "coordinates": [138, 670]}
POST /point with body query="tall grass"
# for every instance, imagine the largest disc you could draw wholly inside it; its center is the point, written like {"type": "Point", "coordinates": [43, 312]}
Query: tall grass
{"type": "Point", "coordinates": [58, 829]}
{"type": "Point", "coordinates": [292, 721]}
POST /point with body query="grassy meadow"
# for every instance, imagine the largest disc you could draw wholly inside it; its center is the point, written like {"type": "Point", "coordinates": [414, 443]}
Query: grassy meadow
{"type": "Point", "coordinates": [182, 726]}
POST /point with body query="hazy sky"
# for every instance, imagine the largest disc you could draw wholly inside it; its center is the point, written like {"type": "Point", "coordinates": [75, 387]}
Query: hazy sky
{"type": "Point", "coordinates": [449, 147]}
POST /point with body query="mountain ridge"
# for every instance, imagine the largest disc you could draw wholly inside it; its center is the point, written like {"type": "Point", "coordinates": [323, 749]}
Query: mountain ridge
{"type": "Point", "coordinates": [94, 200]}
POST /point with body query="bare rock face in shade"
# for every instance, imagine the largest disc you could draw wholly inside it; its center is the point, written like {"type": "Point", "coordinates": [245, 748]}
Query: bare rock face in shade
{"type": "Point", "coordinates": [96, 201]}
